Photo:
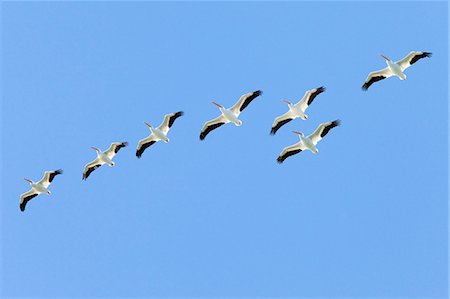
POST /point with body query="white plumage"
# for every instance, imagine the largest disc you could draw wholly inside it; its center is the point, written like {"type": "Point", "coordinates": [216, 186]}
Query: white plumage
{"type": "Point", "coordinates": [157, 134]}
{"type": "Point", "coordinates": [229, 115]}
{"type": "Point", "coordinates": [394, 68]}
{"type": "Point", "coordinates": [38, 188]}
{"type": "Point", "coordinates": [103, 158]}
{"type": "Point", "coordinates": [308, 142]}
{"type": "Point", "coordinates": [297, 110]}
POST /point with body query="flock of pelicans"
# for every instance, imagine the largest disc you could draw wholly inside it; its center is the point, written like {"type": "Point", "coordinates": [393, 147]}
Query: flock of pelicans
{"type": "Point", "coordinates": [231, 115]}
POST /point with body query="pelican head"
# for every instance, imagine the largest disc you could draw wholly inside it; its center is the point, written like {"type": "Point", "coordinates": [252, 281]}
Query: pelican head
{"type": "Point", "coordinates": [218, 105]}
{"type": "Point", "coordinates": [385, 58]}
{"type": "Point", "coordinates": [28, 180]}
{"type": "Point", "coordinates": [238, 123]}
{"type": "Point", "coordinates": [287, 102]}
{"type": "Point", "coordinates": [298, 133]}
{"type": "Point", "coordinates": [148, 125]}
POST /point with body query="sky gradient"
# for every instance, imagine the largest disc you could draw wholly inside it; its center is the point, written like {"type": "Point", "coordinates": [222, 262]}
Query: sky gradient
{"type": "Point", "coordinates": [366, 216]}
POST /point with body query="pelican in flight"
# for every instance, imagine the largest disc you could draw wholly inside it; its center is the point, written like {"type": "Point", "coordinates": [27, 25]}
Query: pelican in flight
{"type": "Point", "coordinates": [394, 68]}
{"type": "Point", "coordinates": [297, 110]}
{"type": "Point", "coordinates": [38, 188]}
{"type": "Point", "coordinates": [157, 134]}
{"type": "Point", "coordinates": [229, 115]}
{"type": "Point", "coordinates": [103, 158]}
{"type": "Point", "coordinates": [308, 143]}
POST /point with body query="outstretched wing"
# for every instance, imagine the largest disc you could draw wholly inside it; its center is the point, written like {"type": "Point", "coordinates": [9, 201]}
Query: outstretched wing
{"type": "Point", "coordinates": [90, 167]}
{"type": "Point", "coordinates": [169, 119]}
{"type": "Point", "coordinates": [412, 58]}
{"type": "Point", "coordinates": [114, 148]}
{"type": "Point", "coordinates": [26, 197]}
{"type": "Point", "coordinates": [323, 130]}
{"type": "Point", "coordinates": [290, 151]}
{"type": "Point", "coordinates": [243, 101]}
{"type": "Point", "coordinates": [144, 144]}
{"type": "Point", "coordinates": [377, 76]}
{"type": "Point", "coordinates": [211, 125]}
{"type": "Point", "coordinates": [281, 121]}
{"type": "Point", "coordinates": [48, 177]}
{"type": "Point", "coordinates": [309, 97]}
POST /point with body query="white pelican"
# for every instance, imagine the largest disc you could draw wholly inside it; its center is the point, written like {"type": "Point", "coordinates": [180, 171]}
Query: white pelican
{"type": "Point", "coordinates": [229, 115]}
{"type": "Point", "coordinates": [394, 68]}
{"type": "Point", "coordinates": [38, 188]}
{"type": "Point", "coordinates": [309, 142]}
{"type": "Point", "coordinates": [103, 158]}
{"type": "Point", "coordinates": [157, 134]}
{"type": "Point", "coordinates": [297, 110]}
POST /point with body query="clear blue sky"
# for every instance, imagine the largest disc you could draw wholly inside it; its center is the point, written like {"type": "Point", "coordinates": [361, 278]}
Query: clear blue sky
{"type": "Point", "coordinates": [367, 216]}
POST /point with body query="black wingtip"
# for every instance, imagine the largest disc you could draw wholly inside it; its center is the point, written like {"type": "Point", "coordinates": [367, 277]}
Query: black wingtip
{"type": "Point", "coordinates": [321, 89]}
{"type": "Point", "coordinates": [22, 208]}
{"type": "Point", "coordinates": [336, 123]}
{"type": "Point", "coordinates": [427, 54]}
{"type": "Point", "coordinates": [272, 132]}
{"type": "Point", "coordinates": [280, 160]}
{"type": "Point", "coordinates": [365, 87]}
{"type": "Point", "coordinates": [258, 92]}
{"type": "Point", "coordinates": [180, 113]}
{"type": "Point", "coordinates": [59, 171]}
{"type": "Point", "coordinates": [125, 143]}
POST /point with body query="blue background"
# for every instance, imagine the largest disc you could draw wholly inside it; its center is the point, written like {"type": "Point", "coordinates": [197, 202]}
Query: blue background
{"type": "Point", "coordinates": [367, 216]}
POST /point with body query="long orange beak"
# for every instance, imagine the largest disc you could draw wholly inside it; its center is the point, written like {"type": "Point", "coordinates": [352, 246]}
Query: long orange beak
{"type": "Point", "coordinates": [297, 132]}
{"type": "Point", "coordinates": [29, 181]}
{"type": "Point", "coordinates": [387, 59]}
{"type": "Point", "coordinates": [94, 148]}
{"type": "Point", "coordinates": [218, 105]}
{"type": "Point", "coordinates": [287, 102]}
{"type": "Point", "coordinates": [147, 124]}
